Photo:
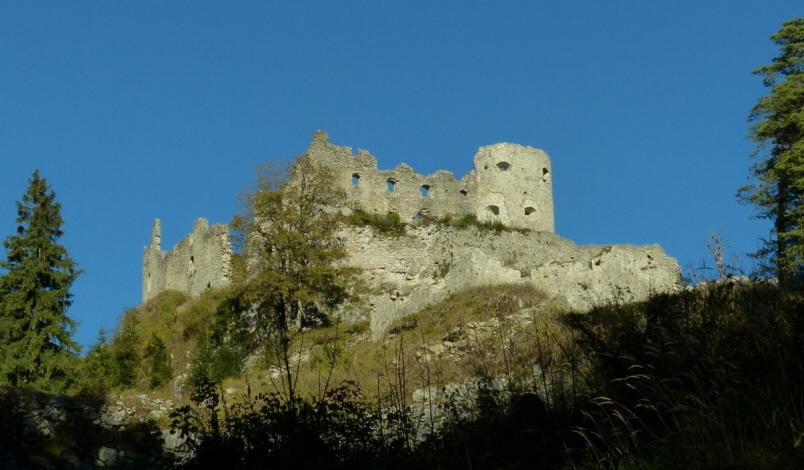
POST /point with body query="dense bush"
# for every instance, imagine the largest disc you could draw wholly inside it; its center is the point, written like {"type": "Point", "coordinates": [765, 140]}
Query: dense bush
{"type": "Point", "coordinates": [388, 224]}
{"type": "Point", "coordinates": [709, 378]}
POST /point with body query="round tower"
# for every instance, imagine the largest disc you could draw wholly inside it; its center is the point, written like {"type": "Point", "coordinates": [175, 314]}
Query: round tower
{"type": "Point", "coordinates": [514, 186]}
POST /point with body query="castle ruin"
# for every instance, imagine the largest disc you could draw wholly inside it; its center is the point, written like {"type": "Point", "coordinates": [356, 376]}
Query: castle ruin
{"type": "Point", "coordinates": [510, 183]}
{"type": "Point", "coordinates": [200, 261]}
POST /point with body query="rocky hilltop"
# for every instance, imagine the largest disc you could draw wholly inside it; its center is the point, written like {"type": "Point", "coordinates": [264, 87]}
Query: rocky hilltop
{"type": "Point", "coordinates": [511, 185]}
{"type": "Point", "coordinates": [432, 261]}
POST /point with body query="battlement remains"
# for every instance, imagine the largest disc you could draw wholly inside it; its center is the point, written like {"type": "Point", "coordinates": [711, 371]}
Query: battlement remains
{"type": "Point", "coordinates": [509, 183]}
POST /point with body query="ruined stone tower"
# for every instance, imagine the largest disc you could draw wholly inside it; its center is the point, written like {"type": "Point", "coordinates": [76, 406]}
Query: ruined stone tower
{"type": "Point", "coordinates": [514, 186]}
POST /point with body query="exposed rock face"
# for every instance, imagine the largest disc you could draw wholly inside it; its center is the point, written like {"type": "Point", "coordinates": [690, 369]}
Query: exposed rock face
{"type": "Point", "coordinates": [79, 435]}
{"type": "Point", "coordinates": [430, 262]}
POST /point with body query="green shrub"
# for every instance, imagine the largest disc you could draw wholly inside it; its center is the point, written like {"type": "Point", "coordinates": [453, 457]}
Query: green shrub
{"type": "Point", "coordinates": [99, 369]}
{"type": "Point", "coordinates": [445, 219]}
{"type": "Point", "coordinates": [215, 362]}
{"type": "Point", "coordinates": [466, 220]}
{"type": "Point", "coordinates": [156, 359]}
{"type": "Point", "coordinates": [125, 350]}
{"type": "Point", "coordinates": [719, 364]}
{"type": "Point", "coordinates": [390, 224]}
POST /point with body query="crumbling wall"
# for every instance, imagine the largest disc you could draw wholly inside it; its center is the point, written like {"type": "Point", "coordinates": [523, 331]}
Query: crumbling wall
{"type": "Point", "coordinates": [200, 261]}
{"type": "Point", "coordinates": [510, 183]}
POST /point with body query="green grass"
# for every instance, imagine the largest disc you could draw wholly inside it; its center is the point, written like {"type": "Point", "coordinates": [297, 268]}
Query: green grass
{"type": "Point", "coordinates": [477, 304]}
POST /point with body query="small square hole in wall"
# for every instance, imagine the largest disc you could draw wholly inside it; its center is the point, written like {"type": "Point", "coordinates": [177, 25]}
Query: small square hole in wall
{"type": "Point", "coordinates": [462, 192]}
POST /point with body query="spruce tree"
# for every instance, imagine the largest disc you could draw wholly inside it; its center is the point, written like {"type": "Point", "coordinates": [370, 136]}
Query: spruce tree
{"type": "Point", "coordinates": [36, 345]}
{"type": "Point", "coordinates": [778, 129]}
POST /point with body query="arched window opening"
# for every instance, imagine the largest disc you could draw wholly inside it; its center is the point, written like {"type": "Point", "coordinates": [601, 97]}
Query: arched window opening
{"type": "Point", "coordinates": [493, 209]}
{"type": "Point", "coordinates": [463, 192]}
{"type": "Point", "coordinates": [391, 185]}
{"type": "Point", "coordinates": [545, 174]}
{"type": "Point", "coordinates": [355, 179]}
{"type": "Point", "coordinates": [529, 210]}
{"type": "Point", "coordinates": [503, 166]}
{"type": "Point", "coordinates": [425, 190]}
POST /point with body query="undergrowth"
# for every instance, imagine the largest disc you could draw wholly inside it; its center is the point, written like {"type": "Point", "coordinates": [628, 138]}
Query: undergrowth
{"type": "Point", "coordinates": [711, 377]}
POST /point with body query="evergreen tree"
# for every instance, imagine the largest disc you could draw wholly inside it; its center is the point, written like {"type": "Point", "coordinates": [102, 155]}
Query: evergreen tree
{"type": "Point", "coordinates": [36, 344]}
{"type": "Point", "coordinates": [778, 190]}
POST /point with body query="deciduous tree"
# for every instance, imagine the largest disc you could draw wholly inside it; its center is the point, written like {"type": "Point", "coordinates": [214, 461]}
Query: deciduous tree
{"type": "Point", "coordinates": [36, 344]}
{"type": "Point", "coordinates": [291, 251]}
{"type": "Point", "coordinates": [778, 189]}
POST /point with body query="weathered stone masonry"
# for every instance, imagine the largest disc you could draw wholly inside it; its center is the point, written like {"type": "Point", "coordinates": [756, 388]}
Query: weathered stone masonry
{"type": "Point", "coordinates": [200, 261]}
{"type": "Point", "coordinates": [510, 183]}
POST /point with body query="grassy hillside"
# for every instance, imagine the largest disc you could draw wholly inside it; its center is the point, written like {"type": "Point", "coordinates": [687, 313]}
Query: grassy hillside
{"type": "Point", "coordinates": [497, 377]}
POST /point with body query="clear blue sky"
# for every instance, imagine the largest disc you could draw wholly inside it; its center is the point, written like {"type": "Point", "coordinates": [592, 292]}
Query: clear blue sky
{"type": "Point", "coordinates": [135, 110]}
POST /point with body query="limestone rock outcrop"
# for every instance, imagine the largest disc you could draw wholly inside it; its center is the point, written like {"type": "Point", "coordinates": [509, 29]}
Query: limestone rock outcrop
{"type": "Point", "coordinates": [432, 261]}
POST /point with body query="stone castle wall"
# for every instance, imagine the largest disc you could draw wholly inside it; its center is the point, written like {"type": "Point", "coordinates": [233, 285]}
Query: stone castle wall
{"type": "Point", "coordinates": [200, 261]}
{"type": "Point", "coordinates": [510, 183]}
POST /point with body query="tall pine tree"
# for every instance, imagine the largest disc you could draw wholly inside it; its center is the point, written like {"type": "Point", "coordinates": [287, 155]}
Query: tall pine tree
{"type": "Point", "coordinates": [778, 129]}
{"type": "Point", "coordinates": [36, 346]}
